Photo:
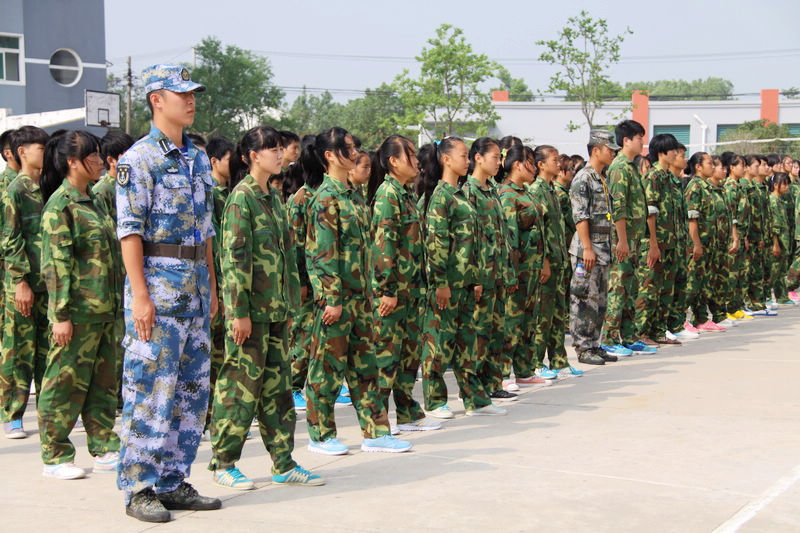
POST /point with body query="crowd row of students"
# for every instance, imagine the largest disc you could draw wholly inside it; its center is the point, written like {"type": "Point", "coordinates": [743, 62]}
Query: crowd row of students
{"type": "Point", "coordinates": [336, 265]}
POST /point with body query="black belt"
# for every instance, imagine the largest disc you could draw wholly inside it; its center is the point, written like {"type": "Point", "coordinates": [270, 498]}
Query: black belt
{"type": "Point", "coordinates": [177, 251]}
{"type": "Point", "coordinates": [600, 230]}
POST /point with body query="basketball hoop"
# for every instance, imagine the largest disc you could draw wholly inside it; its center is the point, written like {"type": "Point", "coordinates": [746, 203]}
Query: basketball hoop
{"type": "Point", "coordinates": [102, 109]}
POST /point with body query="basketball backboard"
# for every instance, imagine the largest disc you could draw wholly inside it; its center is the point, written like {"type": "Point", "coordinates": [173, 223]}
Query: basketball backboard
{"type": "Point", "coordinates": [102, 109]}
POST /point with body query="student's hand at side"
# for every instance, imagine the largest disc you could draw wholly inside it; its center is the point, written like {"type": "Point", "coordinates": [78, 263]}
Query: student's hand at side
{"type": "Point", "coordinates": [388, 305]}
{"type": "Point", "coordinates": [242, 328]}
{"type": "Point", "coordinates": [443, 297]}
{"type": "Point", "coordinates": [62, 332]}
{"type": "Point", "coordinates": [23, 298]}
{"type": "Point", "coordinates": [331, 314]}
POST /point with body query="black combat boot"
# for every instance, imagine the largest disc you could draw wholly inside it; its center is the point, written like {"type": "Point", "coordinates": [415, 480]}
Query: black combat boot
{"type": "Point", "coordinates": [145, 506]}
{"type": "Point", "coordinates": [186, 498]}
{"type": "Point", "coordinates": [589, 357]}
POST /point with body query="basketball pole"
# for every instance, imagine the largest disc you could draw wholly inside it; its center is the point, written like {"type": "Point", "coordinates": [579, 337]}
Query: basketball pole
{"type": "Point", "coordinates": [128, 99]}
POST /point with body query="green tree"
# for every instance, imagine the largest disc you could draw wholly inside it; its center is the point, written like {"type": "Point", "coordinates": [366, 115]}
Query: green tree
{"type": "Point", "coordinates": [310, 113]}
{"type": "Point", "coordinates": [446, 97]}
{"type": "Point", "coordinates": [584, 51]}
{"type": "Point", "coordinates": [518, 90]}
{"type": "Point", "coordinates": [239, 89]}
{"type": "Point", "coordinates": [759, 129]}
{"type": "Point", "coordinates": [373, 117]}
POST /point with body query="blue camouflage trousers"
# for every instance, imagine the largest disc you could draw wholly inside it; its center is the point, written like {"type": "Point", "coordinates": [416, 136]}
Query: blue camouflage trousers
{"type": "Point", "coordinates": [165, 388]}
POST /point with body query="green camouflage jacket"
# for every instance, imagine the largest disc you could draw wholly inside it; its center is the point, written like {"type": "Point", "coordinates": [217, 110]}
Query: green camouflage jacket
{"type": "Point", "coordinates": [723, 218]}
{"type": "Point", "coordinates": [398, 254]}
{"type": "Point", "coordinates": [628, 197]}
{"type": "Point", "coordinates": [554, 231]}
{"type": "Point", "coordinates": [759, 199]}
{"type": "Point", "coordinates": [105, 192]}
{"type": "Point", "coordinates": [737, 203]}
{"type": "Point", "coordinates": [81, 259]}
{"type": "Point", "coordinates": [6, 177]}
{"type": "Point", "coordinates": [493, 234]}
{"type": "Point", "coordinates": [699, 203]}
{"type": "Point", "coordinates": [22, 218]}
{"type": "Point", "coordinates": [297, 210]}
{"type": "Point", "coordinates": [662, 202]}
{"type": "Point", "coordinates": [779, 223]}
{"type": "Point", "coordinates": [220, 193]}
{"type": "Point", "coordinates": [753, 230]}
{"type": "Point", "coordinates": [453, 249]}
{"type": "Point", "coordinates": [258, 265]}
{"type": "Point", "coordinates": [525, 232]}
{"type": "Point", "coordinates": [562, 195]}
{"type": "Point", "coordinates": [337, 243]}
{"type": "Point", "coordinates": [680, 200]}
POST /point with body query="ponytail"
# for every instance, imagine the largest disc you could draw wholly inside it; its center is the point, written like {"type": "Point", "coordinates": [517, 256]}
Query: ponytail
{"type": "Point", "coordinates": [74, 144]}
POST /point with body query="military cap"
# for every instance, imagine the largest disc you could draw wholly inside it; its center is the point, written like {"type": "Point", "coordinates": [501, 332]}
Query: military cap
{"type": "Point", "coordinates": [173, 78]}
{"type": "Point", "coordinates": [603, 137]}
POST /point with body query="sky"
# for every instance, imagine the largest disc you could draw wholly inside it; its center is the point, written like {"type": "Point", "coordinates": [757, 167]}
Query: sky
{"type": "Point", "coordinates": [755, 45]}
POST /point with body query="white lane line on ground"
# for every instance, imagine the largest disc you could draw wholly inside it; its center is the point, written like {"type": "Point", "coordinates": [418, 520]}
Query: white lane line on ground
{"type": "Point", "coordinates": [585, 474]}
{"type": "Point", "coordinates": [749, 511]}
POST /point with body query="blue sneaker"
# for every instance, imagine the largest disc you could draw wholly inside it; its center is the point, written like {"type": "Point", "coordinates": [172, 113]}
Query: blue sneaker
{"type": "Point", "coordinates": [770, 312]}
{"type": "Point", "coordinates": [331, 446]}
{"type": "Point", "coordinates": [569, 371]}
{"type": "Point", "coordinates": [617, 349]}
{"type": "Point", "coordinates": [14, 429]}
{"type": "Point", "coordinates": [342, 398]}
{"type": "Point", "coordinates": [233, 478]}
{"type": "Point", "coordinates": [299, 401]}
{"type": "Point", "coordinates": [545, 373]}
{"type": "Point", "coordinates": [387, 443]}
{"type": "Point", "coordinates": [298, 476]}
{"type": "Point", "coordinates": [640, 347]}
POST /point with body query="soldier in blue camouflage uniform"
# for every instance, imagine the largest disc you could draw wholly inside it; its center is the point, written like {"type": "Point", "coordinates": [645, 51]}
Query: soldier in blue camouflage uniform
{"type": "Point", "coordinates": [590, 249]}
{"type": "Point", "coordinates": [164, 208]}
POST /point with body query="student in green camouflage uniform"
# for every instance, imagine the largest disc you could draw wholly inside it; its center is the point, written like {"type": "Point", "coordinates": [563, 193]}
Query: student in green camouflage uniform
{"type": "Point", "coordinates": [755, 236]}
{"type": "Point", "coordinates": [219, 151]}
{"type": "Point", "coordinates": [780, 234]}
{"type": "Point", "coordinates": [550, 324]}
{"type": "Point", "coordinates": [761, 206]}
{"type": "Point", "coordinates": [524, 216]}
{"type": "Point", "coordinates": [341, 347]}
{"type": "Point", "coordinates": [81, 267]}
{"type": "Point", "coordinates": [793, 274]}
{"type": "Point", "coordinates": [398, 282]}
{"type": "Point", "coordinates": [629, 213]}
{"type": "Point", "coordinates": [676, 322]}
{"type": "Point", "coordinates": [561, 187]}
{"type": "Point", "coordinates": [6, 176]}
{"type": "Point", "coordinates": [726, 242]}
{"type": "Point", "coordinates": [454, 266]}
{"type": "Point", "coordinates": [659, 255]}
{"type": "Point", "coordinates": [740, 211]}
{"type": "Point", "coordinates": [261, 286]}
{"type": "Point", "coordinates": [25, 335]}
{"type": "Point", "coordinates": [700, 203]}
{"type": "Point", "coordinates": [497, 278]}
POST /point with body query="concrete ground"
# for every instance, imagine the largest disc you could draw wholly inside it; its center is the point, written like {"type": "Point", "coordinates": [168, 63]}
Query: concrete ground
{"type": "Point", "coordinates": [695, 438]}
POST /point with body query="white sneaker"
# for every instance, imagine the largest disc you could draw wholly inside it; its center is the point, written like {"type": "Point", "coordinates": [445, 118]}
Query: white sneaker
{"type": "Point", "coordinates": [772, 305]}
{"type": "Point", "coordinates": [442, 412]}
{"type": "Point", "coordinates": [683, 335]}
{"type": "Point", "coordinates": [510, 385]}
{"type": "Point", "coordinates": [423, 424]}
{"type": "Point", "coordinates": [727, 323]}
{"type": "Point", "coordinates": [671, 336]}
{"type": "Point", "coordinates": [106, 463]}
{"type": "Point", "coordinates": [489, 410]}
{"type": "Point", "coordinates": [394, 430]}
{"type": "Point", "coordinates": [63, 471]}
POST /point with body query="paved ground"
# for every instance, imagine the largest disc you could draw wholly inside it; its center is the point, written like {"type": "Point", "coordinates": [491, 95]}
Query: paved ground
{"type": "Point", "coordinates": [695, 438]}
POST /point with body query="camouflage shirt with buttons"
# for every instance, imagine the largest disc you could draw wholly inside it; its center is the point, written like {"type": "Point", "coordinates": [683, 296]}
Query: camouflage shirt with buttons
{"type": "Point", "coordinates": [6, 176]}
{"type": "Point", "coordinates": [527, 245]}
{"type": "Point", "coordinates": [22, 218]}
{"type": "Point", "coordinates": [553, 223]}
{"type": "Point", "coordinates": [220, 193]}
{"type": "Point", "coordinates": [81, 260]}
{"type": "Point", "coordinates": [258, 264]}
{"type": "Point", "coordinates": [562, 195]}
{"type": "Point", "coordinates": [492, 232]}
{"type": "Point", "coordinates": [166, 198]}
{"type": "Point", "coordinates": [699, 203]}
{"type": "Point", "coordinates": [658, 192]}
{"type": "Point", "coordinates": [337, 243]}
{"type": "Point", "coordinates": [591, 201]}
{"type": "Point", "coordinates": [735, 197]}
{"type": "Point", "coordinates": [398, 254]}
{"type": "Point", "coordinates": [779, 223]}
{"type": "Point", "coordinates": [628, 196]}
{"type": "Point", "coordinates": [753, 232]}
{"type": "Point", "coordinates": [105, 192]}
{"type": "Point", "coordinates": [723, 218]}
{"type": "Point", "coordinates": [451, 243]}
{"type": "Point", "coordinates": [297, 211]}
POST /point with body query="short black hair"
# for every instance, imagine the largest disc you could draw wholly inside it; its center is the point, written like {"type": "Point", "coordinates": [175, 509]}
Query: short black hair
{"type": "Point", "coordinates": [627, 129]}
{"type": "Point", "coordinates": [661, 144]}
{"type": "Point", "coordinates": [197, 140]}
{"type": "Point", "coordinates": [27, 135]}
{"type": "Point", "coordinates": [114, 144]}
{"type": "Point", "coordinates": [774, 159]}
{"type": "Point", "coordinates": [149, 103]}
{"type": "Point", "coordinates": [5, 142]}
{"type": "Point", "coordinates": [288, 137]}
{"type": "Point", "coordinates": [218, 147]}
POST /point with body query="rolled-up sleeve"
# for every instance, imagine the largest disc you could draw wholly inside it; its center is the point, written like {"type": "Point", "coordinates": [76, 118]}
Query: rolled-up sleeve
{"type": "Point", "coordinates": [580, 195]}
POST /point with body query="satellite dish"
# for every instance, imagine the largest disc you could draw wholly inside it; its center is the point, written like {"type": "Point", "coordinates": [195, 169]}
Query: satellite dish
{"type": "Point", "coordinates": [102, 109]}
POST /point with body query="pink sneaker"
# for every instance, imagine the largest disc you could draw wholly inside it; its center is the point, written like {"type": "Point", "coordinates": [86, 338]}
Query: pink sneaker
{"type": "Point", "coordinates": [794, 296]}
{"type": "Point", "coordinates": [690, 328]}
{"type": "Point", "coordinates": [710, 326]}
{"type": "Point", "coordinates": [532, 380]}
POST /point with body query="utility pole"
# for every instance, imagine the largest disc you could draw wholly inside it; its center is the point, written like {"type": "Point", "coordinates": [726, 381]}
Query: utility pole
{"type": "Point", "coordinates": [194, 57]}
{"type": "Point", "coordinates": [128, 99]}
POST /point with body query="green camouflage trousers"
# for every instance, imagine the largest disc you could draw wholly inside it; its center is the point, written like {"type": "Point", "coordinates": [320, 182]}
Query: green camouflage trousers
{"type": "Point", "coordinates": [550, 326]}
{"type": "Point", "coordinates": [718, 286]}
{"type": "Point", "coordinates": [697, 282]}
{"type": "Point", "coordinates": [793, 275]}
{"type": "Point", "coordinates": [567, 283]}
{"type": "Point", "coordinates": [24, 355]}
{"type": "Point", "coordinates": [494, 363]}
{"type": "Point", "coordinates": [254, 382]}
{"type": "Point", "coordinates": [521, 310]}
{"type": "Point", "coordinates": [398, 339]}
{"type": "Point", "coordinates": [300, 342]}
{"type": "Point", "coordinates": [588, 297]}
{"type": "Point", "coordinates": [737, 274]}
{"type": "Point", "coordinates": [777, 274]}
{"type": "Point", "coordinates": [677, 309]}
{"type": "Point", "coordinates": [656, 292]}
{"type": "Point", "coordinates": [217, 356]}
{"type": "Point", "coordinates": [755, 290]}
{"type": "Point", "coordinates": [620, 322]}
{"type": "Point", "coordinates": [450, 339]}
{"type": "Point", "coordinates": [338, 352]}
{"type": "Point", "coordinates": [80, 380]}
